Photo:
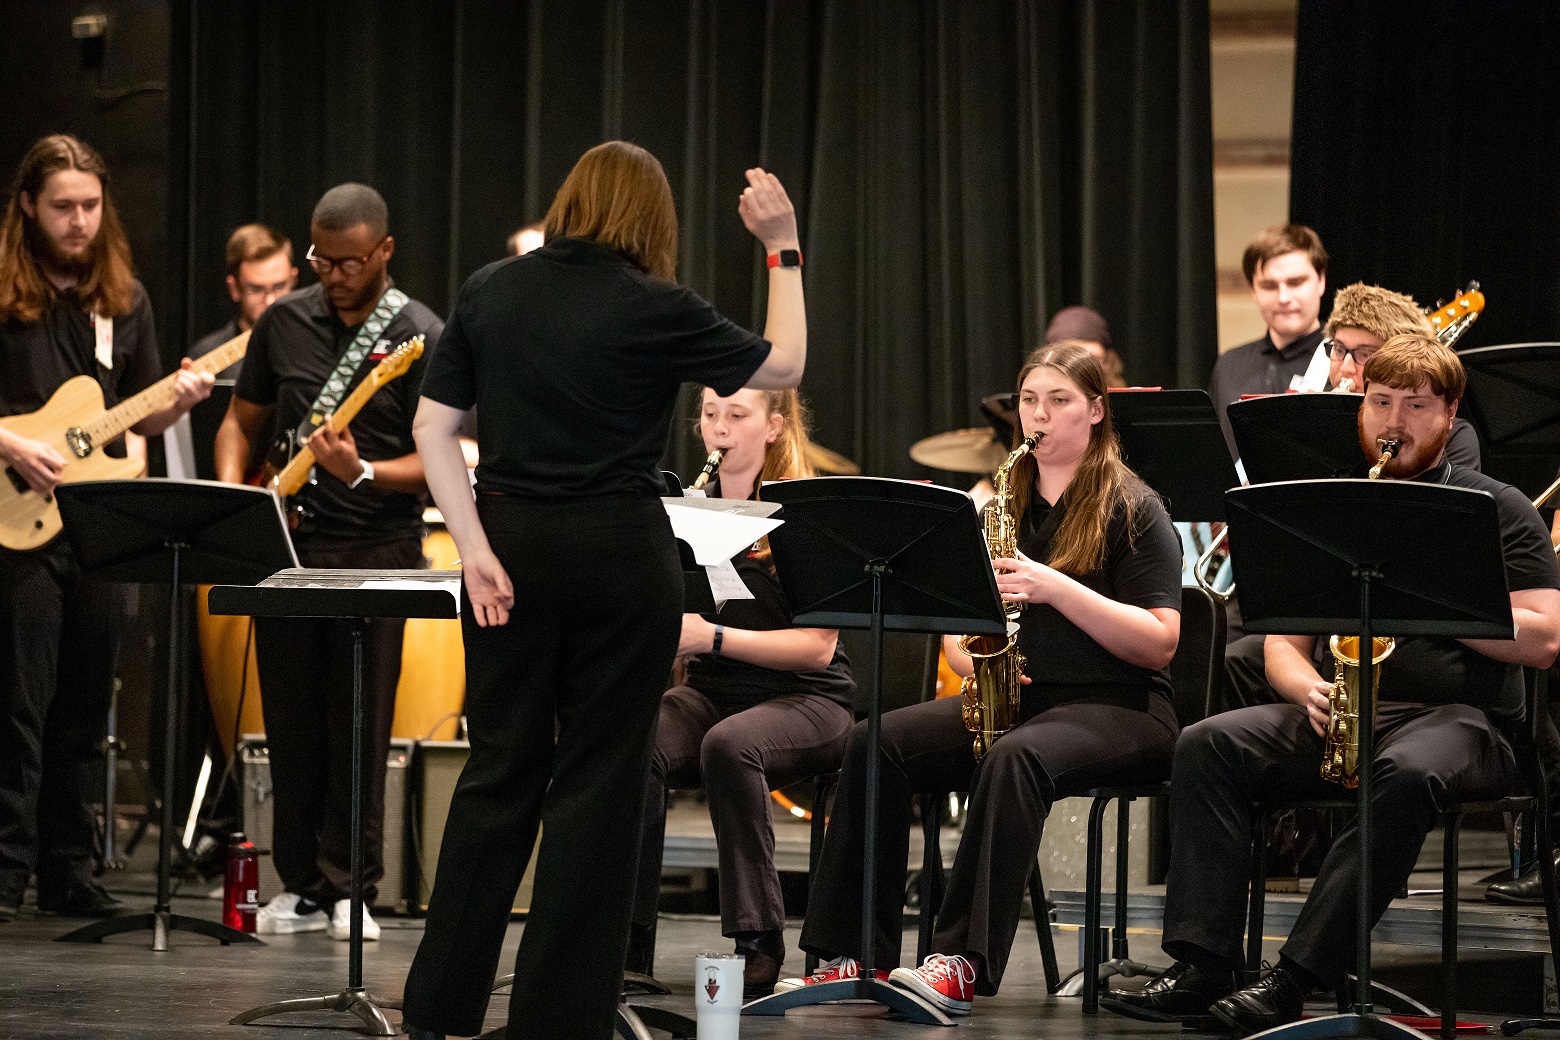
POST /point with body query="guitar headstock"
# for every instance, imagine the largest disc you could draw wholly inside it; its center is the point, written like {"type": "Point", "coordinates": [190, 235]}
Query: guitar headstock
{"type": "Point", "coordinates": [1458, 314]}
{"type": "Point", "coordinates": [397, 361]}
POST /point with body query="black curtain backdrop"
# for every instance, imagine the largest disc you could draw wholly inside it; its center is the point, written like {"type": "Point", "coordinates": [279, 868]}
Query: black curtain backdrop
{"type": "Point", "coordinates": [962, 171]}
{"type": "Point", "coordinates": [1427, 152]}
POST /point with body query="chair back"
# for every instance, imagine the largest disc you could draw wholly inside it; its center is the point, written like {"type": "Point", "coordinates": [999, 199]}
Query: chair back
{"type": "Point", "coordinates": [1197, 670]}
{"type": "Point", "coordinates": [909, 667]}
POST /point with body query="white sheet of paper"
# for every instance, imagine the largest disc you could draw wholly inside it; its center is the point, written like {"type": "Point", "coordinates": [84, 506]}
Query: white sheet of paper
{"type": "Point", "coordinates": [1315, 379]}
{"type": "Point", "coordinates": [717, 528]}
{"type": "Point", "coordinates": [726, 584]}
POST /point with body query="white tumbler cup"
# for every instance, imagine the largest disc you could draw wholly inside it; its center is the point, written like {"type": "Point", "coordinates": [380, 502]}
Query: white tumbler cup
{"type": "Point", "coordinates": [717, 982]}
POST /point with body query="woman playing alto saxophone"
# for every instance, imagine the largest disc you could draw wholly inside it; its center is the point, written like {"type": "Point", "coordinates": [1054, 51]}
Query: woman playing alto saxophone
{"type": "Point", "coordinates": [1098, 572]}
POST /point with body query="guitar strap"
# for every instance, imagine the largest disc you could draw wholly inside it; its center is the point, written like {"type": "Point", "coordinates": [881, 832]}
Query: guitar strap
{"type": "Point", "coordinates": [362, 345]}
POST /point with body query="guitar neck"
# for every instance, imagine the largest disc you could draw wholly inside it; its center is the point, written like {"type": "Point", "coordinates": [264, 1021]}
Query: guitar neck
{"type": "Point", "coordinates": [161, 394]}
{"type": "Point", "coordinates": [291, 478]}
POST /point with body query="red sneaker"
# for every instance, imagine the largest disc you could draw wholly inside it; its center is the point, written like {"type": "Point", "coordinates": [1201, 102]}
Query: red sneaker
{"type": "Point", "coordinates": [946, 982]}
{"type": "Point", "coordinates": [838, 970]}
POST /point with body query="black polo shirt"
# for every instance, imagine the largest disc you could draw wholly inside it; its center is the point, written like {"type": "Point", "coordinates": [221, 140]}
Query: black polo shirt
{"type": "Point", "coordinates": [1257, 367]}
{"type": "Point", "coordinates": [293, 349]}
{"type": "Point", "coordinates": [1142, 568]}
{"type": "Point", "coordinates": [574, 357]}
{"type": "Point", "coordinates": [1425, 670]}
{"type": "Point", "coordinates": [211, 341]}
{"type": "Point", "coordinates": [36, 357]}
{"type": "Point", "coordinates": [735, 685]}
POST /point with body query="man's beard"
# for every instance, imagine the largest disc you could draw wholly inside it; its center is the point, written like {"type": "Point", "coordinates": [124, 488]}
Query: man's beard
{"type": "Point", "coordinates": [78, 267]}
{"type": "Point", "coordinates": [1413, 457]}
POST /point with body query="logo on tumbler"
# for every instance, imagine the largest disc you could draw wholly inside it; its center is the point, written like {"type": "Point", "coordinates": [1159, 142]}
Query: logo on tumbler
{"type": "Point", "coordinates": [711, 982]}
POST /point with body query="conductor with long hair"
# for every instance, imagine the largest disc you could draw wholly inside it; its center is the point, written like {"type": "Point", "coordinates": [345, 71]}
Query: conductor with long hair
{"type": "Point", "coordinates": [572, 607]}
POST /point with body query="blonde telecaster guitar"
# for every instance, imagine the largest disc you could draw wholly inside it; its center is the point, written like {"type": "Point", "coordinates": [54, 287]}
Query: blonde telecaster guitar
{"type": "Point", "coordinates": [76, 424]}
{"type": "Point", "coordinates": [291, 478]}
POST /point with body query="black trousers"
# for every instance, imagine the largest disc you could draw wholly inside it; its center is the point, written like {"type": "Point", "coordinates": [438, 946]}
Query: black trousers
{"type": "Point", "coordinates": [306, 698]}
{"type": "Point", "coordinates": [1426, 757]}
{"type": "Point", "coordinates": [1060, 751]}
{"type": "Point", "coordinates": [738, 757]}
{"type": "Point", "coordinates": [58, 644]}
{"type": "Point", "coordinates": [562, 704]}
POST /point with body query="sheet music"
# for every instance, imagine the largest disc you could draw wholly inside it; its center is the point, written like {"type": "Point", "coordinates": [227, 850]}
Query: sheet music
{"type": "Point", "coordinates": [717, 528]}
{"type": "Point", "coordinates": [346, 578]}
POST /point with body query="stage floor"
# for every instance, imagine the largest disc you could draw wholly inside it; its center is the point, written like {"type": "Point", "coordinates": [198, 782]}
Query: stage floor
{"type": "Point", "coordinates": [120, 989]}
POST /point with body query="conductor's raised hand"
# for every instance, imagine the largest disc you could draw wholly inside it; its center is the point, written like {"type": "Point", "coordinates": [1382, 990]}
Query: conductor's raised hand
{"type": "Point", "coordinates": [488, 587]}
{"type": "Point", "coordinates": [767, 211]}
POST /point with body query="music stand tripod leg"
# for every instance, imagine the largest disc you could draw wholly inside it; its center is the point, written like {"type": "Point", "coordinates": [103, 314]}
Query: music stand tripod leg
{"type": "Point", "coordinates": [162, 920]}
{"type": "Point", "coordinates": [354, 1000]}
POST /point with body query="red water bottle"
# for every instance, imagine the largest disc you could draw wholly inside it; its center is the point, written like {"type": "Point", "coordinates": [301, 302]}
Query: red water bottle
{"type": "Point", "coordinates": [241, 890]}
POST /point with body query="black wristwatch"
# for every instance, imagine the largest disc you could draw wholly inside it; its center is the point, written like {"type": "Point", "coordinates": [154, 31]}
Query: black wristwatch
{"type": "Point", "coordinates": [785, 258]}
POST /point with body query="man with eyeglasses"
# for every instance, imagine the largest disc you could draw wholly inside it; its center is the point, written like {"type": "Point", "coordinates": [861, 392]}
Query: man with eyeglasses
{"type": "Point", "coordinates": [363, 509]}
{"type": "Point", "coordinates": [260, 271]}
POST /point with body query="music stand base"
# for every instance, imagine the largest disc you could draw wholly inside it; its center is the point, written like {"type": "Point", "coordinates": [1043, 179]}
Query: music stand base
{"type": "Point", "coordinates": [1346, 1025]}
{"type": "Point", "coordinates": [1513, 1026]}
{"type": "Point", "coordinates": [634, 1022]}
{"type": "Point", "coordinates": [911, 1007]}
{"type": "Point", "coordinates": [356, 1002]}
{"type": "Point", "coordinates": [160, 923]}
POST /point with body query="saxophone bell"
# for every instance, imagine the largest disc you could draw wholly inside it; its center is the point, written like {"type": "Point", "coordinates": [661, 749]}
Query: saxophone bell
{"type": "Point", "coordinates": [711, 467]}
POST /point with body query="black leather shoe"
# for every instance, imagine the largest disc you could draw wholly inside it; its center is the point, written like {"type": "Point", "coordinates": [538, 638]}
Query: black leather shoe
{"type": "Point", "coordinates": [762, 955]}
{"type": "Point", "coordinates": [1275, 1001]}
{"type": "Point", "coordinates": [83, 899]}
{"type": "Point", "coordinates": [419, 1033]}
{"type": "Point", "coordinates": [1182, 994]}
{"type": "Point", "coordinates": [1527, 890]}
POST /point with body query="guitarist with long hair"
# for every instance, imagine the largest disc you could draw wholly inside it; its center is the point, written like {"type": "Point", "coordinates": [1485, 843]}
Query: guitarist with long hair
{"type": "Point", "coordinates": [307, 352]}
{"type": "Point", "coordinates": [69, 306]}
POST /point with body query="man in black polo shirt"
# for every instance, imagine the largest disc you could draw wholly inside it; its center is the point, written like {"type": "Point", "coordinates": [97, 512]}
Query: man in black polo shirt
{"type": "Point", "coordinates": [69, 306]}
{"type": "Point", "coordinates": [260, 271]}
{"type": "Point", "coordinates": [364, 509]}
{"type": "Point", "coordinates": [1444, 709]}
{"type": "Point", "coordinates": [1286, 268]}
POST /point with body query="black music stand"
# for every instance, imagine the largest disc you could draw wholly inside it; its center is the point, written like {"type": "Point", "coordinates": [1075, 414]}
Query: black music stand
{"type": "Point", "coordinates": [178, 532]}
{"type": "Point", "coordinates": [1513, 402]}
{"type": "Point", "coordinates": [1296, 436]}
{"type": "Point", "coordinates": [1172, 439]}
{"type": "Point", "coordinates": [354, 596]}
{"type": "Point", "coordinates": [1389, 570]}
{"type": "Point", "coordinates": [866, 552]}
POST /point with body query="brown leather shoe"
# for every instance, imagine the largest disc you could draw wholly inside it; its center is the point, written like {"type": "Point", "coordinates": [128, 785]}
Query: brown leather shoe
{"type": "Point", "coordinates": [762, 954]}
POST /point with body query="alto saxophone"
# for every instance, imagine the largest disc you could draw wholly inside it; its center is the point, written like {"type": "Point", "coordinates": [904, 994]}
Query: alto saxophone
{"type": "Point", "coordinates": [1340, 752]}
{"type": "Point", "coordinates": [991, 700]}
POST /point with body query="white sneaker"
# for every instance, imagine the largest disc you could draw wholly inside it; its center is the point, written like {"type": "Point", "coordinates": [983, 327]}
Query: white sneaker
{"type": "Point", "coordinates": [341, 922]}
{"type": "Point", "coordinates": [281, 916]}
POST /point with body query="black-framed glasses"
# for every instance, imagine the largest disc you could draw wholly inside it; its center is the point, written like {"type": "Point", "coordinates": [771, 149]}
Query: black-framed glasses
{"type": "Point", "coordinates": [351, 266]}
{"type": "Point", "coordinates": [1337, 351]}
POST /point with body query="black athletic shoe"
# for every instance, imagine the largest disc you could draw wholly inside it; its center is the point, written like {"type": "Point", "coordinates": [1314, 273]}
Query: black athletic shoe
{"type": "Point", "coordinates": [82, 899]}
{"type": "Point", "coordinates": [1275, 1001]}
{"type": "Point", "coordinates": [1182, 994]}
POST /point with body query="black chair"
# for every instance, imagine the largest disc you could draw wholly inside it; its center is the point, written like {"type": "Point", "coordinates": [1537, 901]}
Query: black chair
{"type": "Point", "coordinates": [1197, 673]}
{"type": "Point", "coordinates": [1535, 804]}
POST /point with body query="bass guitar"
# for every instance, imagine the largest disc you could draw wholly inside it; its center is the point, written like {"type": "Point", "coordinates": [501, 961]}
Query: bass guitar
{"type": "Point", "coordinates": [76, 424]}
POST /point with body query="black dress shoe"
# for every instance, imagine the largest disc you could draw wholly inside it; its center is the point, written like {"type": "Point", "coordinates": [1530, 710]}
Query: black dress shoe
{"type": "Point", "coordinates": [419, 1033]}
{"type": "Point", "coordinates": [1527, 890]}
{"type": "Point", "coordinates": [1275, 1001]}
{"type": "Point", "coordinates": [762, 955]}
{"type": "Point", "coordinates": [1182, 994]}
{"type": "Point", "coordinates": [83, 899]}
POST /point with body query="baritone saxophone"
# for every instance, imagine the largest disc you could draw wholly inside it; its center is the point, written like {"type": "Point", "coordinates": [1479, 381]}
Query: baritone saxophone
{"type": "Point", "coordinates": [991, 695]}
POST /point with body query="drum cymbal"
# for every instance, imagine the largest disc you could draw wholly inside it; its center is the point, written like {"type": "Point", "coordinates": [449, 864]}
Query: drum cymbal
{"type": "Point", "coordinates": [974, 450]}
{"type": "Point", "coordinates": [832, 462]}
